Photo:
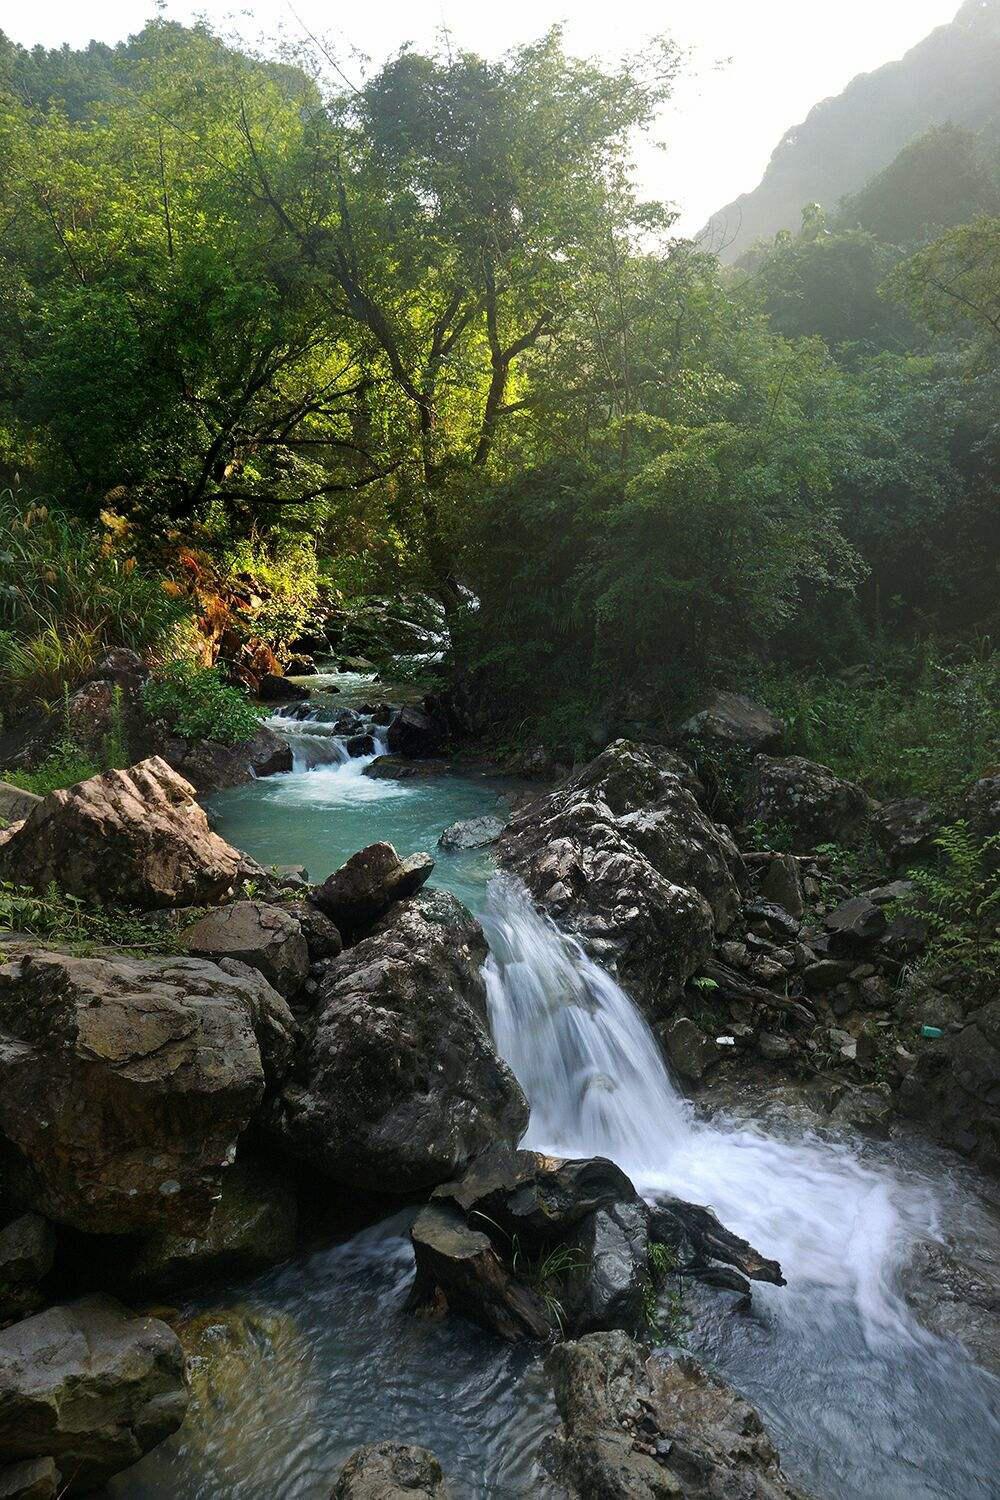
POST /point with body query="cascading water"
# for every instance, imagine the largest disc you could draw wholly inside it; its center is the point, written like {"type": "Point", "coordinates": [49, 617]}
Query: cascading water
{"type": "Point", "coordinates": [854, 1389]}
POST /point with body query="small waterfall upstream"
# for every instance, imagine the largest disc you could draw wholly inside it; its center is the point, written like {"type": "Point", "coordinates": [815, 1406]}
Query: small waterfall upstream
{"type": "Point", "coordinates": [323, 736]}
{"type": "Point", "coordinates": [849, 1380]}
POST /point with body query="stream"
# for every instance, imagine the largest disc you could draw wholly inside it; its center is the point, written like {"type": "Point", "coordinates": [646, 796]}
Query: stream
{"type": "Point", "coordinates": [861, 1401]}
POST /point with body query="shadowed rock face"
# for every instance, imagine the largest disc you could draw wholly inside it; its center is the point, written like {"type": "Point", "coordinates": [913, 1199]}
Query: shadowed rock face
{"type": "Point", "coordinates": [92, 1387]}
{"type": "Point", "coordinates": [266, 937]}
{"type": "Point", "coordinates": [807, 800]}
{"type": "Point", "coordinates": [126, 1083]}
{"type": "Point", "coordinates": [625, 857]}
{"type": "Point", "coordinates": [133, 838]}
{"type": "Point", "coordinates": [391, 1471]}
{"type": "Point", "coordinates": [641, 1427]}
{"type": "Point", "coordinates": [367, 884]}
{"type": "Point", "coordinates": [732, 719]}
{"type": "Point", "coordinates": [397, 1085]}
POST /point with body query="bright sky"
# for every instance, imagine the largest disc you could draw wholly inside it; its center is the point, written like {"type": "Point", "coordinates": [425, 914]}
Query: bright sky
{"type": "Point", "coordinates": [757, 65]}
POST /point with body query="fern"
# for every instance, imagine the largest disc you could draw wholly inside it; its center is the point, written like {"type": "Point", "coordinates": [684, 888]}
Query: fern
{"type": "Point", "coordinates": [959, 898]}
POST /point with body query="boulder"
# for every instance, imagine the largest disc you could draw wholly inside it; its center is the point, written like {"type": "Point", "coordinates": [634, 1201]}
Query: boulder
{"type": "Point", "coordinates": [360, 744]}
{"type": "Point", "coordinates": [323, 939]}
{"type": "Point", "coordinates": [641, 1427]}
{"type": "Point", "coordinates": [31, 1479]}
{"type": "Point", "coordinates": [414, 733]}
{"type": "Point", "coordinates": [92, 1387]}
{"type": "Point", "coordinates": [782, 884]}
{"type": "Point", "coordinates": [211, 766]}
{"type": "Point", "coordinates": [905, 829]}
{"type": "Point", "coordinates": [608, 1279]}
{"type": "Point", "coordinates": [390, 1471]}
{"type": "Point", "coordinates": [27, 1250]}
{"type": "Point", "coordinates": [398, 768]}
{"type": "Point", "coordinates": [268, 938]}
{"type": "Point", "coordinates": [807, 801]}
{"type": "Point", "coordinates": [690, 1051]}
{"type": "Point", "coordinates": [125, 1083]}
{"type": "Point", "coordinates": [91, 711]}
{"type": "Point", "coordinates": [123, 667]}
{"type": "Point", "coordinates": [855, 926]}
{"type": "Point", "coordinates": [398, 1085]}
{"type": "Point", "coordinates": [624, 856]}
{"type": "Point", "coordinates": [365, 887]}
{"type": "Point", "coordinates": [274, 688]}
{"type": "Point", "coordinates": [729, 719]}
{"type": "Point", "coordinates": [472, 833]}
{"type": "Point", "coordinates": [954, 1090]}
{"type": "Point", "coordinates": [133, 838]}
{"type": "Point", "coordinates": [458, 1270]}
{"type": "Point", "coordinates": [15, 803]}
{"type": "Point", "coordinates": [252, 1225]}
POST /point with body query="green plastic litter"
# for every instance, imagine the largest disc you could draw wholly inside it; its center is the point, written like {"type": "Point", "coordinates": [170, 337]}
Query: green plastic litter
{"type": "Point", "coordinates": [931, 1031]}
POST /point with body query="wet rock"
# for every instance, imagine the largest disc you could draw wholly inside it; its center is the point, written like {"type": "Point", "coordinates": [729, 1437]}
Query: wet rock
{"type": "Point", "coordinates": [698, 1239]}
{"type": "Point", "coordinates": [458, 1267]}
{"type": "Point", "coordinates": [415, 733]}
{"type": "Point", "coordinates": [125, 1083]}
{"type": "Point", "coordinates": [15, 804]}
{"type": "Point", "coordinates": [774, 1047]}
{"type": "Point", "coordinates": [136, 838]}
{"type": "Point", "coordinates": [868, 1110]}
{"type": "Point", "coordinates": [91, 1386]}
{"type": "Point", "coordinates": [782, 885]}
{"type": "Point", "coordinates": [31, 1479]}
{"type": "Point", "coordinates": [807, 800]}
{"type": "Point", "coordinates": [690, 1051]}
{"type": "Point", "coordinates": [365, 887]}
{"type": "Point", "coordinates": [905, 829]}
{"type": "Point", "coordinates": [639, 1427]}
{"type": "Point", "coordinates": [855, 926]}
{"type": "Point", "coordinates": [956, 1297]}
{"type": "Point", "coordinates": [472, 833]}
{"type": "Point", "coordinates": [276, 689]}
{"type": "Point", "coordinates": [398, 768]}
{"type": "Point", "coordinates": [359, 664]}
{"type": "Point", "coordinates": [608, 1279]}
{"type": "Point", "coordinates": [624, 856]}
{"type": "Point", "coordinates": [360, 744]}
{"type": "Point", "coordinates": [398, 1084]}
{"type": "Point", "coordinates": [268, 938]}
{"type": "Point", "coordinates": [954, 1089]}
{"type": "Point", "coordinates": [391, 1471]}
{"type": "Point", "coordinates": [731, 719]}
{"type": "Point", "coordinates": [211, 766]}
{"type": "Point", "coordinates": [27, 1249]}
{"type": "Point", "coordinates": [252, 1225]}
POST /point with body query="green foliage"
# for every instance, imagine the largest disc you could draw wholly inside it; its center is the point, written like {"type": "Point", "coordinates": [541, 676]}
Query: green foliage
{"type": "Point", "coordinates": [65, 765]}
{"type": "Point", "coordinates": [663, 1309]}
{"type": "Point", "coordinates": [198, 705]}
{"type": "Point", "coordinates": [959, 898]}
{"type": "Point", "coordinates": [64, 918]}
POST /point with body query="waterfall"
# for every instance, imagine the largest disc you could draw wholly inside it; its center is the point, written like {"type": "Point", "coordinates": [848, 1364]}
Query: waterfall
{"type": "Point", "coordinates": [597, 1085]}
{"type": "Point", "coordinates": [319, 738]}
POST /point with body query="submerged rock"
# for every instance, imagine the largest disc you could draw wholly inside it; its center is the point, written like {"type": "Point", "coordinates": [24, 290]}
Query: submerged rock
{"type": "Point", "coordinates": [133, 838]}
{"type": "Point", "coordinates": [642, 1427]}
{"type": "Point", "coordinates": [391, 1471]}
{"type": "Point", "coordinates": [398, 768]}
{"type": "Point", "coordinates": [398, 1085]}
{"type": "Point", "coordinates": [807, 801]}
{"type": "Point", "coordinates": [624, 856]}
{"type": "Point", "coordinates": [90, 1386]}
{"type": "Point", "coordinates": [125, 1083]}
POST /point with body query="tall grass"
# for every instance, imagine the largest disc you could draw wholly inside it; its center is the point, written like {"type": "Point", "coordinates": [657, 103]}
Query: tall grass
{"type": "Point", "coordinates": [69, 591]}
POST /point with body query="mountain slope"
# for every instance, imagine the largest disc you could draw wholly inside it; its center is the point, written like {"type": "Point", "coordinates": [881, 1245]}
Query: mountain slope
{"type": "Point", "coordinates": [952, 75]}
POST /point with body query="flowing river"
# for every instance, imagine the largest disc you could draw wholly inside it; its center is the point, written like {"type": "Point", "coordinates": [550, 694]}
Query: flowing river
{"type": "Point", "coordinates": [862, 1402]}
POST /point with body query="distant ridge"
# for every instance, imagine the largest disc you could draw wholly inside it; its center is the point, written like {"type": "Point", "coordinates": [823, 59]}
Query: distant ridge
{"type": "Point", "coordinates": [952, 75]}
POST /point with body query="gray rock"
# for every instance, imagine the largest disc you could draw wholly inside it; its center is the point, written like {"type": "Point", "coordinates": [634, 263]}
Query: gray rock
{"type": "Point", "coordinates": [134, 838]}
{"type": "Point", "coordinates": [31, 1479]}
{"type": "Point", "coordinates": [414, 733]}
{"type": "Point", "coordinates": [398, 768]}
{"type": "Point", "coordinates": [906, 829]}
{"type": "Point", "coordinates": [690, 1051]}
{"type": "Point", "coordinates": [782, 884]}
{"type": "Point", "coordinates": [954, 1089]}
{"type": "Point", "coordinates": [607, 1285]}
{"type": "Point", "coordinates": [956, 1297]}
{"type": "Point", "coordinates": [365, 887]}
{"type": "Point", "coordinates": [125, 1083]}
{"type": "Point", "coordinates": [323, 939]}
{"type": "Point", "coordinates": [826, 973]}
{"type": "Point", "coordinates": [91, 1386]}
{"type": "Point", "coordinates": [732, 719]}
{"type": "Point", "coordinates": [398, 1084]}
{"type": "Point", "coordinates": [774, 1047]}
{"type": "Point", "coordinates": [855, 926]}
{"type": "Point", "coordinates": [268, 938]}
{"type": "Point", "coordinates": [472, 833]}
{"type": "Point", "coordinates": [252, 1225]}
{"type": "Point", "coordinates": [624, 856]}
{"type": "Point", "coordinates": [641, 1427]}
{"type": "Point", "coordinates": [391, 1471]}
{"type": "Point", "coordinates": [808, 801]}
{"type": "Point", "coordinates": [16, 804]}
{"type": "Point", "coordinates": [211, 766]}
{"type": "Point", "coordinates": [27, 1249]}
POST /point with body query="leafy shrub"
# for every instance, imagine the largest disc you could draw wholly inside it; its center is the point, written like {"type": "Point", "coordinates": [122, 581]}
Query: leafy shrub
{"type": "Point", "coordinates": [198, 705]}
{"type": "Point", "coordinates": [68, 593]}
{"type": "Point", "coordinates": [959, 898]}
{"type": "Point", "coordinates": [56, 914]}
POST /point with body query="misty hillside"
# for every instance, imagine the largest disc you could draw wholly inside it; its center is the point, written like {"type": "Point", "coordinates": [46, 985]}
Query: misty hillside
{"type": "Point", "coordinates": [952, 75]}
